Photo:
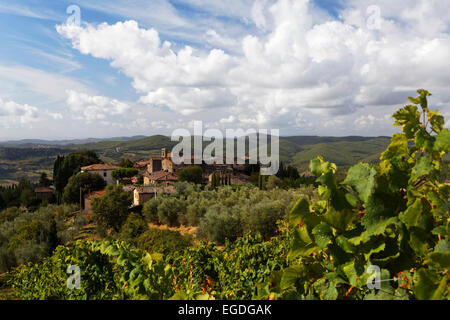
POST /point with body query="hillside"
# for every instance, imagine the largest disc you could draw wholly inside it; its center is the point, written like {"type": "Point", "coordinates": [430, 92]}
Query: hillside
{"type": "Point", "coordinates": [30, 160]}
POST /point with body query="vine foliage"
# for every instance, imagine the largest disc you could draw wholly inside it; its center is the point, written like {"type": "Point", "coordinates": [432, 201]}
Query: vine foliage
{"type": "Point", "coordinates": [394, 215]}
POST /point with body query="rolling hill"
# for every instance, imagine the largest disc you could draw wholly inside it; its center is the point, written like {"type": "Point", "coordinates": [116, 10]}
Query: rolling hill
{"type": "Point", "coordinates": [29, 160]}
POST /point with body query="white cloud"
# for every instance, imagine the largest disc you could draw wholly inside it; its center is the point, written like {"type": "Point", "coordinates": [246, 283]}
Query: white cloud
{"type": "Point", "coordinates": [16, 115]}
{"type": "Point", "coordinates": [89, 108]}
{"type": "Point", "coordinates": [12, 113]}
{"type": "Point", "coordinates": [49, 87]}
{"type": "Point", "coordinates": [299, 64]}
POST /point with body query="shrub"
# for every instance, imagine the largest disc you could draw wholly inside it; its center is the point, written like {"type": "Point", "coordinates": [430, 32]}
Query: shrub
{"type": "Point", "coordinates": [133, 227]}
{"type": "Point", "coordinates": [83, 182]}
{"type": "Point", "coordinates": [262, 218]}
{"type": "Point", "coordinates": [191, 174]}
{"type": "Point", "coordinates": [169, 211]}
{"type": "Point", "coordinates": [9, 214]}
{"type": "Point", "coordinates": [194, 213]}
{"type": "Point", "coordinates": [111, 210]}
{"type": "Point", "coordinates": [150, 210]}
{"type": "Point", "coordinates": [163, 241]}
{"type": "Point", "coordinates": [221, 223]}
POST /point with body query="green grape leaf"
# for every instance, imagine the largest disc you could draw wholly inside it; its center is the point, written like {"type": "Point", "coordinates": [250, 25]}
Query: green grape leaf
{"type": "Point", "coordinates": [318, 166]}
{"type": "Point", "coordinates": [345, 244]}
{"type": "Point", "coordinates": [397, 148]}
{"type": "Point", "coordinates": [380, 213]}
{"type": "Point", "coordinates": [440, 260]}
{"type": "Point", "coordinates": [428, 285]}
{"type": "Point", "coordinates": [436, 120]}
{"type": "Point", "coordinates": [418, 241]}
{"type": "Point", "coordinates": [300, 247]}
{"type": "Point", "coordinates": [323, 235]}
{"type": "Point", "coordinates": [423, 167]}
{"type": "Point", "coordinates": [409, 119]}
{"type": "Point", "coordinates": [362, 178]}
{"type": "Point", "coordinates": [417, 215]}
{"type": "Point", "coordinates": [442, 143]}
{"type": "Point", "coordinates": [290, 276]}
{"type": "Point", "coordinates": [326, 290]}
{"type": "Point", "coordinates": [300, 213]}
{"type": "Point", "coordinates": [341, 219]}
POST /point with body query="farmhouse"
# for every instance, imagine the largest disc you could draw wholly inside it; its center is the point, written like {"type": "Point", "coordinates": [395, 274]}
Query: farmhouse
{"type": "Point", "coordinates": [104, 170]}
{"type": "Point", "coordinates": [144, 194]}
{"type": "Point", "coordinates": [158, 177]}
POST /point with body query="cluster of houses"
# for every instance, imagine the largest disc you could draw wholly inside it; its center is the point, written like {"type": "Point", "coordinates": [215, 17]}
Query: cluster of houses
{"type": "Point", "coordinates": [159, 175]}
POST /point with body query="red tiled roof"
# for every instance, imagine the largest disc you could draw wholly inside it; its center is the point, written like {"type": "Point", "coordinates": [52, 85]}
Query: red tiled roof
{"type": "Point", "coordinates": [99, 167]}
{"type": "Point", "coordinates": [162, 176]}
{"type": "Point", "coordinates": [95, 193]}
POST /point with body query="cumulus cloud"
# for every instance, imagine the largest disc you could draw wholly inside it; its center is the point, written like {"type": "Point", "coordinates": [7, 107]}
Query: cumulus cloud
{"type": "Point", "coordinates": [15, 115]}
{"type": "Point", "coordinates": [90, 108]}
{"type": "Point", "coordinates": [12, 113]}
{"type": "Point", "coordinates": [299, 64]}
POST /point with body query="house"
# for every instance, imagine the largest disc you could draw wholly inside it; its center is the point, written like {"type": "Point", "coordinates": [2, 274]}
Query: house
{"type": "Point", "coordinates": [104, 170]}
{"type": "Point", "coordinates": [159, 177]}
{"type": "Point", "coordinates": [144, 194]}
{"type": "Point", "coordinates": [44, 193]}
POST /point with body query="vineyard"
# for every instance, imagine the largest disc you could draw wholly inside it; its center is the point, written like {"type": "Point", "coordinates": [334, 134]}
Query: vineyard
{"type": "Point", "coordinates": [382, 232]}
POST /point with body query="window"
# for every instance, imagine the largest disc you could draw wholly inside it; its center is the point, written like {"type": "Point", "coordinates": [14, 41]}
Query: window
{"type": "Point", "coordinates": [104, 174]}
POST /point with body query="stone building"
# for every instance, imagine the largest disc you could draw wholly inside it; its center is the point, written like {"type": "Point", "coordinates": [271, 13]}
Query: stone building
{"type": "Point", "coordinates": [104, 170]}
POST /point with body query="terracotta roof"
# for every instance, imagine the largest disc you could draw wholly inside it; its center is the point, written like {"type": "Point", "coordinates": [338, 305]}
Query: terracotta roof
{"type": "Point", "coordinates": [43, 190]}
{"type": "Point", "coordinates": [100, 167]}
{"type": "Point", "coordinates": [162, 176]}
{"type": "Point", "coordinates": [95, 193]}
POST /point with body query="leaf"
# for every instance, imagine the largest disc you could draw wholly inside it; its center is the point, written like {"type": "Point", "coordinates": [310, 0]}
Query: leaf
{"type": "Point", "coordinates": [326, 290]}
{"type": "Point", "coordinates": [323, 235]}
{"type": "Point", "coordinates": [290, 276]}
{"type": "Point", "coordinates": [397, 148]}
{"type": "Point", "coordinates": [380, 213]}
{"type": "Point", "coordinates": [341, 219]}
{"type": "Point", "coordinates": [443, 246]}
{"type": "Point", "coordinates": [353, 270]}
{"type": "Point", "coordinates": [318, 166]}
{"type": "Point", "coordinates": [436, 120]}
{"type": "Point", "coordinates": [428, 285]}
{"type": "Point", "coordinates": [345, 244]}
{"type": "Point", "coordinates": [301, 213]}
{"type": "Point", "coordinates": [409, 119]}
{"type": "Point", "coordinates": [300, 247]}
{"type": "Point", "coordinates": [417, 215]}
{"type": "Point", "coordinates": [362, 178]}
{"type": "Point", "coordinates": [418, 241]}
{"type": "Point", "coordinates": [328, 179]}
{"type": "Point", "coordinates": [440, 260]}
{"type": "Point", "coordinates": [422, 168]}
{"type": "Point", "coordinates": [442, 143]}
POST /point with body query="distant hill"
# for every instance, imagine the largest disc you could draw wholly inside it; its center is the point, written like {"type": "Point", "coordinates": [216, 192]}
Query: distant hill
{"type": "Point", "coordinates": [33, 157]}
{"type": "Point", "coordinates": [33, 142]}
{"type": "Point", "coordinates": [29, 158]}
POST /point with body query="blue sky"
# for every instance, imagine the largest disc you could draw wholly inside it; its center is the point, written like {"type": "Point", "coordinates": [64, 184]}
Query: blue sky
{"type": "Point", "coordinates": [305, 67]}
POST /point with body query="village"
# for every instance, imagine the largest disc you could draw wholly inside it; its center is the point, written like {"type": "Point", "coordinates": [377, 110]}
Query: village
{"type": "Point", "coordinates": [158, 176]}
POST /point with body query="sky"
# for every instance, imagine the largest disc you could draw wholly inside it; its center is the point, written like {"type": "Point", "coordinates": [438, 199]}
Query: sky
{"type": "Point", "coordinates": [110, 68]}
